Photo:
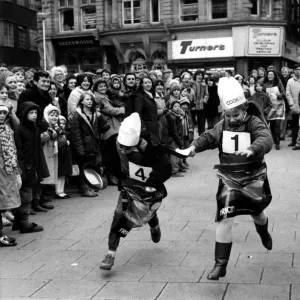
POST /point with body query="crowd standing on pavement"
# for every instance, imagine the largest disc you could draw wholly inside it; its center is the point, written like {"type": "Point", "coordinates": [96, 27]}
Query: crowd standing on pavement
{"type": "Point", "coordinates": [53, 123]}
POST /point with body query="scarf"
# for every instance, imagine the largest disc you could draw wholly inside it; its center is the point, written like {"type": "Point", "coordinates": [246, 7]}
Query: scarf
{"type": "Point", "coordinates": [9, 152]}
{"type": "Point", "coordinates": [149, 94]}
{"type": "Point", "coordinates": [185, 125]}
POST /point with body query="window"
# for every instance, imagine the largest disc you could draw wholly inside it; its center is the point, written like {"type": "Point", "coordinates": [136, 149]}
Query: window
{"type": "Point", "coordinates": [8, 34]}
{"type": "Point", "coordinates": [32, 37]}
{"type": "Point", "coordinates": [254, 8]}
{"type": "Point", "coordinates": [188, 10]}
{"type": "Point", "coordinates": [218, 9]}
{"type": "Point", "coordinates": [31, 4]}
{"type": "Point", "coordinates": [131, 11]}
{"type": "Point", "coordinates": [155, 11]}
{"type": "Point", "coordinates": [21, 2]}
{"type": "Point", "coordinates": [22, 37]}
{"type": "Point", "coordinates": [66, 15]}
{"type": "Point", "coordinates": [88, 15]}
{"type": "Point", "coordinates": [268, 4]}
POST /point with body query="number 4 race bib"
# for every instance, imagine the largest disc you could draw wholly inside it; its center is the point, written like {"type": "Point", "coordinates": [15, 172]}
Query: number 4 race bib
{"type": "Point", "coordinates": [235, 141]}
{"type": "Point", "coordinates": [138, 172]}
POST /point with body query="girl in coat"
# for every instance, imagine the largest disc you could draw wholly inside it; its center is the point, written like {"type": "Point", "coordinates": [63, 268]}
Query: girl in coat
{"type": "Point", "coordinates": [86, 127]}
{"type": "Point", "coordinates": [274, 88]}
{"type": "Point", "coordinates": [64, 158]}
{"type": "Point", "coordinates": [84, 83]}
{"type": "Point", "coordinates": [145, 106]}
{"type": "Point", "coordinates": [10, 179]}
{"type": "Point", "coordinates": [243, 139]}
{"type": "Point", "coordinates": [113, 111]}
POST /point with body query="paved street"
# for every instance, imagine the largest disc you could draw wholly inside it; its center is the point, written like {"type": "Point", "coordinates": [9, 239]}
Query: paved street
{"type": "Point", "coordinates": [63, 261]}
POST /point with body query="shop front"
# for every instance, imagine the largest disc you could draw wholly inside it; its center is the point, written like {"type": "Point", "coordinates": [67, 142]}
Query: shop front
{"type": "Point", "coordinates": [78, 53]}
{"type": "Point", "coordinates": [203, 53]}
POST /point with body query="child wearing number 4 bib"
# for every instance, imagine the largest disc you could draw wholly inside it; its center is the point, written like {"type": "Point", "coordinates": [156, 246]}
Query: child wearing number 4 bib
{"type": "Point", "coordinates": [243, 139]}
{"type": "Point", "coordinates": [145, 167]}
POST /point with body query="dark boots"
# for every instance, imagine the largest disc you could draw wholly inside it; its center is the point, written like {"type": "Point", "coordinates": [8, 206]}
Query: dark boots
{"type": "Point", "coordinates": [222, 254]}
{"type": "Point", "coordinates": [264, 234]}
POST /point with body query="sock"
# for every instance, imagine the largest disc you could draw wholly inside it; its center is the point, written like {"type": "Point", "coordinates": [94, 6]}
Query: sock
{"type": "Point", "coordinates": [112, 253]}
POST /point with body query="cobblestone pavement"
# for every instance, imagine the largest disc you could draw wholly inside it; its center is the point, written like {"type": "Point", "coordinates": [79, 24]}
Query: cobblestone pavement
{"type": "Point", "coordinates": [63, 261]}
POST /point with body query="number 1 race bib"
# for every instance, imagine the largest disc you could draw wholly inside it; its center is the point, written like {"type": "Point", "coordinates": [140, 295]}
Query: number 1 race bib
{"type": "Point", "coordinates": [235, 141]}
{"type": "Point", "coordinates": [138, 172]}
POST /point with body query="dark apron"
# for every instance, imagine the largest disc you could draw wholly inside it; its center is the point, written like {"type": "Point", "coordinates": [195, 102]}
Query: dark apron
{"type": "Point", "coordinates": [243, 186]}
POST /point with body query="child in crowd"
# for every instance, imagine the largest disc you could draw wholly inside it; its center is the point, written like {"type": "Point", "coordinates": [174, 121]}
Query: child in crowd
{"type": "Point", "coordinates": [10, 179]}
{"type": "Point", "coordinates": [86, 125]}
{"type": "Point", "coordinates": [64, 159]}
{"type": "Point", "coordinates": [262, 99]}
{"type": "Point", "coordinates": [20, 87]}
{"type": "Point", "coordinates": [243, 139]}
{"type": "Point", "coordinates": [188, 127]}
{"type": "Point", "coordinates": [32, 163]}
{"type": "Point", "coordinates": [19, 73]}
{"type": "Point", "coordinates": [175, 129]}
{"type": "Point", "coordinates": [174, 95]}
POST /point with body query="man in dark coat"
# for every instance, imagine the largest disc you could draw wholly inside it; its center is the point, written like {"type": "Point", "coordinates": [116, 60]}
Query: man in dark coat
{"type": "Point", "coordinates": [32, 163]}
{"type": "Point", "coordinates": [38, 94]}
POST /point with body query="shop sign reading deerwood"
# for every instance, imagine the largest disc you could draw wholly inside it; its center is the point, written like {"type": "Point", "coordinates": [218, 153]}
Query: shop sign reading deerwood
{"type": "Point", "coordinates": [202, 48]}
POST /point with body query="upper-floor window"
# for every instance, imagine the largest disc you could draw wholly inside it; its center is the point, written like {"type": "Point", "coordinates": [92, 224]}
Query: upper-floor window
{"type": "Point", "coordinates": [255, 7]}
{"type": "Point", "coordinates": [6, 34]}
{"type": "Point", "coordinates": [88, 14]}
{"type": "Point", "coordinates": [218, 9]}
{"type": "Point", "coordinates": [155, 11]}
{"type": "Point", "coordinates": [131, 11]}
{"type": "Point", "coordinates": [21, 2]}
{"type": "Point", "coordinates": [189, 10]}
{"type": "Point", "coordinates": [66, 15]}
{"type": "Point", "coordinates": [32, 4]}
{"type": "Point", "coordinates": [22, 37]}
{"type": "Point", "coordinates": [268, 8]}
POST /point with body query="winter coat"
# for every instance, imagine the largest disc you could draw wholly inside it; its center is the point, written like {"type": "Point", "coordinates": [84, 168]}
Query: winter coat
{"type": "Point", "coordinates": [211, 107]}
{"type": "Point", "coordinates": [86, 136]}
{"type": "Point", "coordinates": [145, 106]}
{"type": "Point", "coordinates": [38, 97]}
{"type": "Point", "coordinates": [64, 154]}
{"type": "Point", "coordinates": [29, 148]}
{"type": "Point", "coordinates": [292, 94]}
{"type": "Point", "coordinates": [201, 93]}
{"type": "Point", "coordinates": [175, 129]}
{"type": "Point", "coordinates": [74, 98]}
{"type": "Point", "coordinates": [261, 138]}
{"type": "Point", "coordinates": [9, 190]}
{"type": "Point", "coordinates": [263, 101]}
{"type": "Point", "coordinates": [63, 101]}
{"type": "Point", "coordinates": [162, 121]}
{"type": "Point", "coordinates": [112, 115]}
{"type": "Point", "coordinates": [128, 98]}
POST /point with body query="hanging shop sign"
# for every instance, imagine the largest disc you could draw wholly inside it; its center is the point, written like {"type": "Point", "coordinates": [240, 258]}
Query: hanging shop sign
{"type": "Point", "coordinates": [265, 41]}
{"type": "Point", "coordinates": [202, 48]}
{"type": "Point", "coordinates": [76, 42]}
{"type": "Point", "coordinates": [291, 51]}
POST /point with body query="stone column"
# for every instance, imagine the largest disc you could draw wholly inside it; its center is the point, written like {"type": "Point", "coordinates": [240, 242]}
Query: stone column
{"type": "Point", "coordinates": [115, 14]}
{"type": "Point", "coordinates": [145, 13]}
{"type": "Point", "coordinates": [106, 15]}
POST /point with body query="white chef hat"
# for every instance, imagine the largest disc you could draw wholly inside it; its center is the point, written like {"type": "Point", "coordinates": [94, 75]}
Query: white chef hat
{"type": "Point", "coordinates": [230, 93]}
{"type": "Point", "coordinates": [130, 130]}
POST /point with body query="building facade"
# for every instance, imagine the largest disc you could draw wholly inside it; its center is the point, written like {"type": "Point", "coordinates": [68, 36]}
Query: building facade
{"type": "Point", "coordinates": [18, 31]}
{"type": "Point", "coordinates": [133, 35]}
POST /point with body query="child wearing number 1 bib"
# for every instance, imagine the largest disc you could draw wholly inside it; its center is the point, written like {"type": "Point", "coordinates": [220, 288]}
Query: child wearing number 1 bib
{"type": "Point", "coordinates": [243, 138]}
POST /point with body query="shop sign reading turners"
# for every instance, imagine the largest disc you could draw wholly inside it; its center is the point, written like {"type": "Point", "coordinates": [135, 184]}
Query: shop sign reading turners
{"type": "Point", "coordinates": [201, 48]}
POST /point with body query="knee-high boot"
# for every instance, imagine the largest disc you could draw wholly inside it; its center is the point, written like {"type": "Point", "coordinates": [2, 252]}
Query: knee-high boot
{"type": "Point", "coordinates": [222, 254]}
{"type": "Point", "coordinates": [264, 234]}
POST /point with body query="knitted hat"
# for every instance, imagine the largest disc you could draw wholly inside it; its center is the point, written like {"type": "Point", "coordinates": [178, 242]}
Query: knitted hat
{"type": "Point", "coordinates": [167, 71]}
{"type": "Point", "coordinates": [173, 103]}
{"type": "Point", "coordinates": [174, 85]}
{"type": "Point", "coordinates": [48, 109]}
{"type": "Point", "coordinates": [62, 118]}
{"type": "Point", "coordinates": [3, 108]}
{"type": "Point", "coordinates": [115, 77]}
{"type": "Point", "coordinates": [230, 93]}
{"type": "Point", "coordinates": [130, 130]}
{"type": "Point", "coordinates": [4, 75]}
{"type": "Point", "coordinates": [184, 100]}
